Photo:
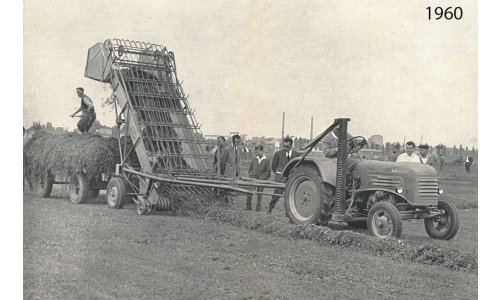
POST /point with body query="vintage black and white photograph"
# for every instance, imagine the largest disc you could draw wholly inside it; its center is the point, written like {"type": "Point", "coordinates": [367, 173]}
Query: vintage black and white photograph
{"type": "Point", "coordinates": [250, 149]}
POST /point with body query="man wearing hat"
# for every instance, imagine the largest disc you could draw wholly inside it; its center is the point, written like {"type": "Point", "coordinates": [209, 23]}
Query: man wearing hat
{"type": "Point", "coordinates": [87, 109]}
{"type": "Point", "coordinates": [423, 154]}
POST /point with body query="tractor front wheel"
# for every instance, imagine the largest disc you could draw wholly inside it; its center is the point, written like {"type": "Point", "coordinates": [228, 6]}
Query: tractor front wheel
{"type": "Point", "coordinates": [384, 221]}
{"type": "Point", "coordinates": [444, 226]}
{"type": "Point", "coordinates": [307, 198]}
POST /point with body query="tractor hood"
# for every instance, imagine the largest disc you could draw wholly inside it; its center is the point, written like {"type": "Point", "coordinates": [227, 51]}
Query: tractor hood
{"type": "Point", "coordinates": [401, 168]}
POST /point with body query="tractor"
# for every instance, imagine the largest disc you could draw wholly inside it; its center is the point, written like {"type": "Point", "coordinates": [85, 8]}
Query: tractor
{"type": "Point", "coordinates": [376, 195]}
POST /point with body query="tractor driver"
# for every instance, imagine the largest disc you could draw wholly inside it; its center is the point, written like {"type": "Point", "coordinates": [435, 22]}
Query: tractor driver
{"type": "Point", "coordinates": [331, 143]}
{"type": "Point", "coordinates": [88, 111]}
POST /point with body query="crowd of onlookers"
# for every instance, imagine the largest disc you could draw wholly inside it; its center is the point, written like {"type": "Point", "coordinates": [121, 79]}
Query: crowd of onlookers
{"type": "Point", "coordinates": [227, 162]}
{"type": "Point", "coordinates": [422, 156]}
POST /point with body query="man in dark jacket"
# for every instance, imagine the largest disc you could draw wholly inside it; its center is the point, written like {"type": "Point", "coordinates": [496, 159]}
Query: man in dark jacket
{"type": "Point", "coordinates": [221, 153]}
{"type": "Point", "coordinates": [235, 151]}
{"type": "Point", "coordinates": [220, 162]}
{"type": "Point", "coordinates": [280, 159]}
{"type": "Point", "coordinates": [260, 168]}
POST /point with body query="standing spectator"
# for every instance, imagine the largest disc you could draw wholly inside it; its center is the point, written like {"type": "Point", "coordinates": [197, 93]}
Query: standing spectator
{"type": "Point", "coordinates": [280, 159]}
{"type": "Point", "coordinates": [233, 159]}
{"type": "Point", "coordinates": [88, 112]}
{"type": "Point", "coordinates": [441, 162]}
{"type": "Point", "coordinates": [223, 153]}
{"type": "Point", "coordinates": [468, 162]}
{"type": "Point", "coordinates": [409, 155]}
{"type": "Point", "coordinates": [234, 153]}
{"type": "Point", "coordinates": [423, 154]}
{"type": "Point", "coordinates": [220, 160]}
{"type": "Point", "coordinates": [260, 168]}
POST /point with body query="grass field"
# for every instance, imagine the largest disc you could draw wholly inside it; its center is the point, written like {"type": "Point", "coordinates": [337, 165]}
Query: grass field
{"type": "Point", "coordinates": [93, 252]}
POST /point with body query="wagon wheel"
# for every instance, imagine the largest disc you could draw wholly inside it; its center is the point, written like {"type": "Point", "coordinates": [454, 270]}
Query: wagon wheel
{"type": "Point", "coordinates": [43, 186]}
{"type": "Point", "coordinates": [444, 226]}
{"type": "Point", "coordinates": [384, 221]}
{"type": "Point", "coordinates": [116, 194]}
{"type": "Point", "coordinates": [79, 188]}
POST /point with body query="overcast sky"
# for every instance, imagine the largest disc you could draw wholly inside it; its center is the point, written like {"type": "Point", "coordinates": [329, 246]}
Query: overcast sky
{"type": "Point", "coordinates": [382, 64]}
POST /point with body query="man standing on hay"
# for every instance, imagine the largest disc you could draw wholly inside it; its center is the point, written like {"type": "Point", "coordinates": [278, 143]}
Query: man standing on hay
{"type": "Point", "coordinates": [88, 112]}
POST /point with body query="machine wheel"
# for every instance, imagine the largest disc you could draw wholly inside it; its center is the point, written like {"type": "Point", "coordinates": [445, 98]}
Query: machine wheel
{"type": "Point", "coordinates": [116, 194]}
{"type": "Point", "coordinates": [94, 193]}
{"type": "Point", "coordinates": [384, 221]}
{"type": "Point", "coordinates": [79, 188]}
{"type": "Point", "coordinates": [445, 226]}
{"type": "Point", "coordinates": [308, 200]}
{"type": "Point", "coordinates": [143, 207]}
{"type": "Point", "coordinates": [43, 186]}
{"type": "Point", "coordinates": [358, 224]}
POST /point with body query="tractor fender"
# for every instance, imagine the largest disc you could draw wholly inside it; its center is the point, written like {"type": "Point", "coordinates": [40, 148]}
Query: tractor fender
{"type": "Point", "coordinates": [327, 167]}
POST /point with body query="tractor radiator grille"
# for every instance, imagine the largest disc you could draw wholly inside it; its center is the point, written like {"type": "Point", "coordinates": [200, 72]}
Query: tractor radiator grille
{"type": "Point", "coordinates": [428, 189]}
{"type": "Point", "coordinates": [388, 182]}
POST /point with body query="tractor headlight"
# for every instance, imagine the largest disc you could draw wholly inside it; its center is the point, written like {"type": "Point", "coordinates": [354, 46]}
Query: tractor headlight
{"type": "Point", "coordinates": [440, 190]}
{"type": "Point", "coordinates": [399, 190]}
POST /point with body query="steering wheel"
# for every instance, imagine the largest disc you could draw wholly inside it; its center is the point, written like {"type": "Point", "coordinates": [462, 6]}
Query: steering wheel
{"type": "Point", "coordinates": [355, 144]}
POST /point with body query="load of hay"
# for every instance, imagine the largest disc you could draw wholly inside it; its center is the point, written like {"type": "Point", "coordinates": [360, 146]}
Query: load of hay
{"type": "Point", "coordinates": [67, 154]}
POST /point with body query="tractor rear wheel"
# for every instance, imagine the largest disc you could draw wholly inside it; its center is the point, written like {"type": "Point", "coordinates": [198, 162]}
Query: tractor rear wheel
{"type": "Point", "coordinates": [43, 186]}
{"type": "Point", "coordinates": [384, 221]}
{"type": "Point", "coordinates": [79, 188]}
{"type": "Point", "coordinates": [445, 226]}
{"type": "Point", "coordinates": [116, 193]}
{"type": "Point", "coordinates": [308, 200]}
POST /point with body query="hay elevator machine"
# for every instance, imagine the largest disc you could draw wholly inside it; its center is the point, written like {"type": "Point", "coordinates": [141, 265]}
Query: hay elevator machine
{"type": "Point", "coordinates": [154, 115]}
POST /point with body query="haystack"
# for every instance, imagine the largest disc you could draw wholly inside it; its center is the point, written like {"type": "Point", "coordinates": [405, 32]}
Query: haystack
{"type": "Point", "coordinates": [67, 154]}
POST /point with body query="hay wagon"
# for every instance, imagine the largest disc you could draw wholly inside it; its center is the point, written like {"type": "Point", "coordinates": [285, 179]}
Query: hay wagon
{"type": "Point", "coordinates": [153, 113]}
{"type": "Point", "coordinates": [82, 162]}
